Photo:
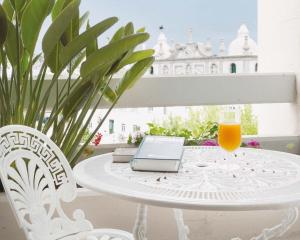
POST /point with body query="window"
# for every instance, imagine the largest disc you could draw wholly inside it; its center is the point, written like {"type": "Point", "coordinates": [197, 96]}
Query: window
{"type": "Point", "coordinates": [151, 70]}
{"type": "Point", "coordinates": [45, 120]}
{"type": "Point", "coordinates": [111, 126]}
{"type": "Point", "coordinates": [188, 69]}
{"type": "Point", "coordinates": [256, 67]}
{"type": "Point", "coordinates": [123, 127]}
{"type": "Point", "coordinates": [213, 68]}
{"type": "Point", "coordinates": [179, 70]}
{"type": "Point", "coordinates": [136, 128]}
{"type": "Point", "coordinates": [199, 68]}
{"type": "Point", "coordinates": [165, 70]}
{"type": "Point", "coordinates": [232, 68]}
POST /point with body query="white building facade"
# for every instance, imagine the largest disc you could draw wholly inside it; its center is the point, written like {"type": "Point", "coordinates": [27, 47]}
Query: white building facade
{"type": "Point", "coordinates": [197, 58]}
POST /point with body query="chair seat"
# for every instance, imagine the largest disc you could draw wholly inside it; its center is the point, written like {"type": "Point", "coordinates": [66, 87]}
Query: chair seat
{"type": "Point", "coordinates": [102, 234]}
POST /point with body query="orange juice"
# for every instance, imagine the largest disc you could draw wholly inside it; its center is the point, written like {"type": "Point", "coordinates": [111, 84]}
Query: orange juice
{"type": "Point", "coordinates": [229, 136]}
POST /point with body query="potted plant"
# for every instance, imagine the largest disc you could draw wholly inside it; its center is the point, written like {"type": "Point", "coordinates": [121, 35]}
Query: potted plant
{"type": "Point", "coordinates": [69, 43]}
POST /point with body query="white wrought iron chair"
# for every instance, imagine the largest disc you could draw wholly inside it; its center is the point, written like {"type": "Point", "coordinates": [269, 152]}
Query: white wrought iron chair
{"type": "Point", "coordinates": [37, 179]}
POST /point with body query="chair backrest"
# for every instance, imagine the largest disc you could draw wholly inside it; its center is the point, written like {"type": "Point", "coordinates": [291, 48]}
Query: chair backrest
{"type": "Point", "coordinates": [37, 178]}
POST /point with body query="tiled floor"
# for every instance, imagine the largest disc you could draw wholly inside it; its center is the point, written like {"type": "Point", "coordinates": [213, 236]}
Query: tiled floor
{"type": "Point", "coordinates": [161, 224]}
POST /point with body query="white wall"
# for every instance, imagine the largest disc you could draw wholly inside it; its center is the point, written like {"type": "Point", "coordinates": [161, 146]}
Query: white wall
{"type": "Point", "coordinates": [279, 51]}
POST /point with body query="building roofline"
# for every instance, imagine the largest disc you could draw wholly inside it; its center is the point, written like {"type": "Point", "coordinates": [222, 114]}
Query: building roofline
{"type": "Point", "coordinates": [208, 58]}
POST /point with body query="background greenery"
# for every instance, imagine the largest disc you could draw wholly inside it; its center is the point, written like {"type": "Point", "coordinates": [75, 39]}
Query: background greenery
{"type": "Point", "coordinates": [200, 125]}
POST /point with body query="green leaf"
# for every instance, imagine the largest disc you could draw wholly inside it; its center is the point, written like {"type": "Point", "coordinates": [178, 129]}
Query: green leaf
{"type": "Point", "coordinates": [57, 8]}
{"type": "Point", "coordinates": [53, 59]}
{"type": "Point", "coordinates": [141, 30]}
{"type": "Point", "coordinates": [79, 43]}
{"type": "Point", "coordinates": [83, 19]}
{"type": "Point", "coordinates": [135, 57]}
{"type": "Point", "coordinates": [118, 35]}
{"type": "Point", "coordinates": [92, 46]}
{"type": "Point", "coordinates": [25, 61]}
{"type": "Point", "coordinates": [76, 61]}
{"type": "Point", "coordinates": [110, 53]}
{"type": "Point", "coordinates": [8, 9]}
{"type": "Point", "coordinates": [57, 28]}
{"type": "Point", "coordinates": [109, 94]}
{"type": "Point", "coordinates": [17, 4]}
{"type": "Point", "coordinates": [133, 74]}
{"type": "Point", "coordinates": [77, 98]}
{"type": "Point", "coordinates": [3, 26]}
{"type": "Point", "coordinates": [11, 44]}
{"type": "Point", "coordinates": [36, 58]}
{"type": "Point", "coordinates": [32, 20]}
{"type": "Point", "coordinates": [129, 29]}
{"type": "Point", "coordinates": [72, 30]}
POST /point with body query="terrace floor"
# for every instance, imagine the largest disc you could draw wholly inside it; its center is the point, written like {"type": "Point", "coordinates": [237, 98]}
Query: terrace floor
{"type": "Point", "coordinates": [161, 224]}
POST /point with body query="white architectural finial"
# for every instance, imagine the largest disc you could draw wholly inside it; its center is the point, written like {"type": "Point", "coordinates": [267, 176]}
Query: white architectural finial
{"type": "Point", "coordinates": [243, 31]}
{"type": "Point", "coordinates": [243, 44]}
{"type": "Point", "coordinates": [222, 48]}
{"type": "Point", "coordinates": [190, 35]}
{"type": "Point", "coordinates": [246, 46]}
{"type": "Point", "coordinates": [208, 47]}
{"type": "Point", "coordinates": [162, 48]}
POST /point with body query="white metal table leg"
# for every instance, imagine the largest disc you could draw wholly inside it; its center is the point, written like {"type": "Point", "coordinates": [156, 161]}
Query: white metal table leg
{"type": "Point", "coordinates": [140, 226]}
{"type": "Point", "coordinates": [280, 229]}
{"type": "Point", "coordinates": [183, 230]}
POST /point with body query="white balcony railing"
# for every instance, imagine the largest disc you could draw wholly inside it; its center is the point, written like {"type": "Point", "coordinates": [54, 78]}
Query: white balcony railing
{"type": "Point", "coordinates": [211, 90]}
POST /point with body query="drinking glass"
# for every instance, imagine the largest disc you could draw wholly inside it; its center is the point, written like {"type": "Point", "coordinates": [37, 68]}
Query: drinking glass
{"type": "Point", "coordinates": [229, 131]}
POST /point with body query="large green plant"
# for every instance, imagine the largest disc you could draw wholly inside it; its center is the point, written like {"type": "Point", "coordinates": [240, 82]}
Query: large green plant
{"type": "Point", "coordinates": [25, 98]}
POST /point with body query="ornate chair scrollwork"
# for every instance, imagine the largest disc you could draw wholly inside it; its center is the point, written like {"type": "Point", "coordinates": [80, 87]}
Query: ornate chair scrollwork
{"type": "Point", "coordinates": [37, 179]}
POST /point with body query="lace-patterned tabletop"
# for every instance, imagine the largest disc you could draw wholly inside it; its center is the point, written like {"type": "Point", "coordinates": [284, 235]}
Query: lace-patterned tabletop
{"type": "Point", "coordinates": [209, 179]}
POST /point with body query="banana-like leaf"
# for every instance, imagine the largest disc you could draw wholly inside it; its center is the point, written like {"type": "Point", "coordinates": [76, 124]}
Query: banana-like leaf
{"type": "Point", "coordinates": [17, 4]}
{"type": "Point", "coordinates": [57, 8]}
{"type": "Point", "coordinates": [111, 53]}
{"type": "Point", "coordinates": [83, 19]}
{"type": "Point", "coordinates": [135, 57]}
{"type": "Point", "coordinates": [129, 29]}
{"type": "Point", "coordinates": [109, 94]}
{"type": "Point", "coordinates": [92, 46]}
{"type": "Point", "coordinates": [11, 44]}
{"type": "Point", "coordinates": [25, 61]}
{"type": "Point", "coordinates": [133, 74]}
{"type": "Point", "coordinates": [79, 43]}
{"type": "Point", "coordinates": [3, 26]}
{"type": "Point", "coordinates": [73, 29]}
{"type": "Point", "coordinates": [77, 98]}
{"type": "Point", "coordinates": [32, 20]}
{"type": "Point", "coordinates": [36, 58]}
{"type": "Point", "coordinates": [57, 28]}
{"type": "Point", "coordinates": [52, 60]}
{"type": "Point", "coordinates": [8, 9]}
{"type": "Point", "coordinates": [76, 61]}
{"type": "Point", "coordinates": [141, 30]}
{"type": "Point", "coordinates": [118, 35]}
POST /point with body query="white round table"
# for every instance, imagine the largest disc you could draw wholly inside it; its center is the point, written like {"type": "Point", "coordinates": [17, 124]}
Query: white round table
{"type": "Point", "coordinates": [210, 179]}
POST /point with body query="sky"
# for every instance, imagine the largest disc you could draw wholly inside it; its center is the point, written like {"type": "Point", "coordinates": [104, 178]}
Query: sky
{"type": "Point", "coordinates": [214, 19]}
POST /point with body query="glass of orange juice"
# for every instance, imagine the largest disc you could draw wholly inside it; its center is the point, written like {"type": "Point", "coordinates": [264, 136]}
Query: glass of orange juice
{"type": "Point", "coordinates": [229, 131]}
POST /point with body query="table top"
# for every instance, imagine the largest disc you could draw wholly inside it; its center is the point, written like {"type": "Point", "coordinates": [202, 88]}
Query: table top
{"type": "Point", "coordinates": [210, 179]}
